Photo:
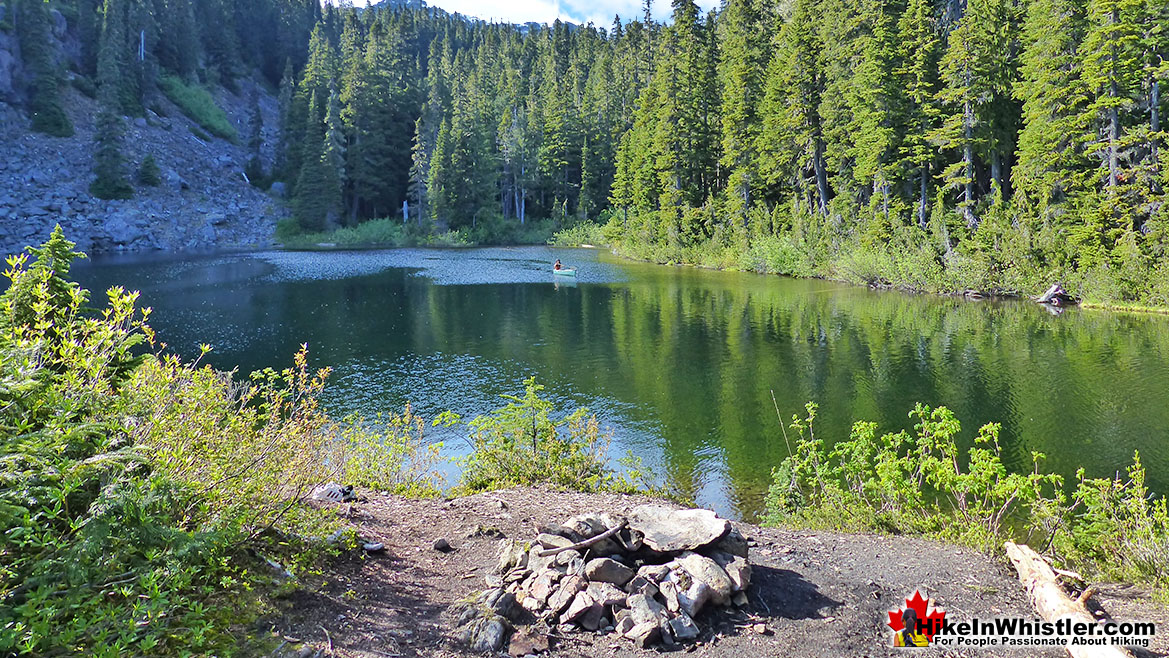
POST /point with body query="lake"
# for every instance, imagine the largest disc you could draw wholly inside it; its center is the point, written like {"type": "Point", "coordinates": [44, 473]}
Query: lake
{"type": "Point", "coordinates": [680, 362]}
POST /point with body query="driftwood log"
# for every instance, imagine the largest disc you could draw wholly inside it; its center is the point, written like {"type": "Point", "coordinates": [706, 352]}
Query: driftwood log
{"type": "Point", "coordinates": [1056, 296]}
{"type": "Point", "coordinates": [1052, 603]}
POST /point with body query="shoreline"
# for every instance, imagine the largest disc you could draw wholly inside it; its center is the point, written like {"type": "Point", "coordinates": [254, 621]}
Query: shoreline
{"type": "Point", "coordinates": [828, 592]}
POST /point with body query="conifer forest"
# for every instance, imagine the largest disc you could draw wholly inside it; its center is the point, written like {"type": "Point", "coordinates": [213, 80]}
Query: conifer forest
{"type": "Point", "coordinates": [993, 145]}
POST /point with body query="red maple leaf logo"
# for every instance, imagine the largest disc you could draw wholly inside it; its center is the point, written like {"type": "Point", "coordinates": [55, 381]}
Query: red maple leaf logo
{"type": "Point", "coordinates": [930, 618]}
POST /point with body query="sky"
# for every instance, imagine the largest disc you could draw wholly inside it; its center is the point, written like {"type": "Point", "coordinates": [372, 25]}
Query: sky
{"type": "Point", "coordinates": [600, 12]}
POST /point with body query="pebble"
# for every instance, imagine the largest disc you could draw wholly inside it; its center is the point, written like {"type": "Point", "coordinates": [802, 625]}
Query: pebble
{"type": "Point", "coordinates": [442, 545]}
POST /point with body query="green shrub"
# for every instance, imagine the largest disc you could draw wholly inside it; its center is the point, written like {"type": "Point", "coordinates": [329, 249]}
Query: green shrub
{"type": "Point", "coordinates": [198, 104]}
{"type": "Point", "coordinates": [584, 233]}
{"type": "Point", "coordinates": [521, 444]}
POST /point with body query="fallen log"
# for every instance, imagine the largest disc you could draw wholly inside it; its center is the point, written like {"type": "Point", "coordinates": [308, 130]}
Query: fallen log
{"type": "Point", "coordinates": [1052, 603]}
{"type": "Point", "coordinates": [1056, 296]}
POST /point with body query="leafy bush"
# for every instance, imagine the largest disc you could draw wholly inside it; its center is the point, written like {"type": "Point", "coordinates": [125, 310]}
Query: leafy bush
{"type": "Point", "coordinates": [137, 492]}
{"type": "Point", "coordinates": [198, 104]}
{"type": "Point", "coordinates": [918, 483]}
{"type": "Point", "coordinates": [521, 444]}
{"type": "Point", "coordinates": [584, 233]}
{"type": "Point", "coordinates": [388, 453]}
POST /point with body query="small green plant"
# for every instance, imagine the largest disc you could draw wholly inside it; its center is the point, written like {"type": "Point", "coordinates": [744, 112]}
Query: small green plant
{"type": "Point", "coordinates": [198, 104]}
{"type": "Point", "coordinates": [148, 172]}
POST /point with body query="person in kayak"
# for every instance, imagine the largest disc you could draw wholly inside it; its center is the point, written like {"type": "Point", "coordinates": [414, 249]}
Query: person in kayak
{"type": "Point", "coordinates": [557, 266]}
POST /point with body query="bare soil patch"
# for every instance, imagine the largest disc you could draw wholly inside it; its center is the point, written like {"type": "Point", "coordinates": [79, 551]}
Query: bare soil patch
{"type": "Point", "coordinates": [817, 593]}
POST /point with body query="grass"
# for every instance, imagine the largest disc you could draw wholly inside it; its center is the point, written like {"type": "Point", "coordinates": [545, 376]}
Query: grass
{"type": "Point", "coordinates": [198, 104]}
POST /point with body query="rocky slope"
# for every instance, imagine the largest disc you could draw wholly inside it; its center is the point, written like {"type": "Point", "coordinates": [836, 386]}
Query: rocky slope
{"type": "Point", "coordinates": [204, 201]}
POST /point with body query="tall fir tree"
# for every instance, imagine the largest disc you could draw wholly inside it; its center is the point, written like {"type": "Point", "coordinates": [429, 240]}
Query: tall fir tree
{"type": "Point", "coordinates": [37, 48]}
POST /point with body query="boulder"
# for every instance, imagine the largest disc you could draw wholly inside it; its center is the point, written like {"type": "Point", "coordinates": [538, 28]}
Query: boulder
{"type": "Point", "coordinates": [277, 190]}
{"type": "Point", "coordinates": [694, 598]}
{"type": "Point", "coordinates": [606, 570]}
{"type": "Point", "coordinates": [667, 530]}
{"type": "Point", "coordinates": [501, 603]}
{"type": "Point", "coordinates": [569, 588]}
{"type": "Point", "coordinates": [669, 592]}
{"type": "Point", "coordinates": [511, 555]}
{"type": "Point", "coordinates": [738, 569]}
{"type": "Point", "coordinates": [644, 609]}
{"type": "Point", "coordinates": [683, 628]}
{"type": "Point", "coordinates": [581, 604]}
{"type": "Point", "coordinates": [607, 594]}
{"type": "Point", "coordinates": [484, 634]}
{"type": "Point", "coordinates": [645, 634]}
{"type": "Point", "coordinates": [706, 570]}
{"type": "Point", "coordinates": [734, 543]}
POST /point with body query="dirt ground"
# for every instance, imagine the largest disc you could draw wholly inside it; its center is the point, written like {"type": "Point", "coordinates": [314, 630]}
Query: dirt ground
{"type": "Point", "coordinates": [817, 593]}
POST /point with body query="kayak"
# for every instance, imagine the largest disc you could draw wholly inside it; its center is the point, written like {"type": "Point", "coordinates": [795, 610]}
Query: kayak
{"type": "Point", "coordinates": [564, 272]}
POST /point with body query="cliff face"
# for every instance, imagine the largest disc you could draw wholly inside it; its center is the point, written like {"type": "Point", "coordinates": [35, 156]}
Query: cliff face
{"type": "Point", "coordinates": [204, 201]}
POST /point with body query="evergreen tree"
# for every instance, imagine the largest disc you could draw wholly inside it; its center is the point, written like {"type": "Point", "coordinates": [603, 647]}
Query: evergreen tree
{"type": "Point", "coordinates": [921, 51]}
{"type": "Point", "coordinates": [791, 142]}
{"type": "Point", "coordinates": [742, 61]}
{"type": "Point", "coordinates": [44, 85]}
{"type": "Point", "coordinates": [148, 173]}
{"type": "Point", "coordinates": [1111, 71]}
{"type": "Point", "coordinates": [1050, 155]}
{"type": "Point", "coordinates": [108, 168]}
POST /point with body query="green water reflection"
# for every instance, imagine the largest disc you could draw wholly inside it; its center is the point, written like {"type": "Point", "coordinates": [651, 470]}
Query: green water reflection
{"type": "Point", "coordinates": [681, 362]}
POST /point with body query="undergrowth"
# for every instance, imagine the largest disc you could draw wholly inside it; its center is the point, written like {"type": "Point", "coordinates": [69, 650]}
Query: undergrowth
{"type": "Point", "coordinates": [919, 483]}
{"type": "Point", "coordinates": [141, 496]}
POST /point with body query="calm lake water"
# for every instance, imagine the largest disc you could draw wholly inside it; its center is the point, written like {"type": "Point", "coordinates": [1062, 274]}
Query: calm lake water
{"type": "Point", "coordinates": [681, 363]}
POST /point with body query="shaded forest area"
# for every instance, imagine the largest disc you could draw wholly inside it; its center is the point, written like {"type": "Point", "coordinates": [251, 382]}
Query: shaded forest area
{"type": "Point", "coordinates": [985, 144]}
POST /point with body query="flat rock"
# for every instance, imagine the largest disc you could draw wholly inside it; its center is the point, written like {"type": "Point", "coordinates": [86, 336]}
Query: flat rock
{"type": "Point", "coordinates": [667, 530]}
{"type": "Point", "coordinates": [606, 570]}
{"type": "Point", "coordinates": [704, 569]}
{"type": "Point", "coordinates": [553, 541]}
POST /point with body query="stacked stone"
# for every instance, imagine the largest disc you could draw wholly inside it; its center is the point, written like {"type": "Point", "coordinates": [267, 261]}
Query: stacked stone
{"type": "Point", "coordinates": [646, 577]}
